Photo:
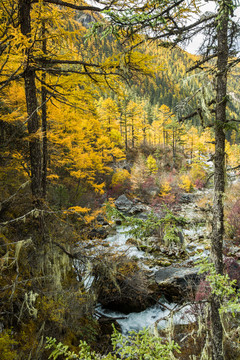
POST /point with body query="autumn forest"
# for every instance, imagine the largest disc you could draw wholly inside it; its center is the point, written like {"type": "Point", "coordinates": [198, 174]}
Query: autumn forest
{"type": "Point", "coordinates": [119, 177]}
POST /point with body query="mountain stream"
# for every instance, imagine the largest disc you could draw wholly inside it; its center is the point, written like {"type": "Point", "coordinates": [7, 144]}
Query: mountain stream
{"type": "Point", "coordinates": [196, 243]}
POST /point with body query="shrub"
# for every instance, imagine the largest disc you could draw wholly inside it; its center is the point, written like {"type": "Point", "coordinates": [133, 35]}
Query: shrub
{"type": "Point", "coordinates": [152, 165]}
{"type": "Point", "coordinates": [166, 194]}
{"type": "Point", "coordinates": [142, 345]}
{"type": "Point", "coordinates": [186, 183]}
{"type": "Point", "coordinates": [197, 175]}
{"type": "Point", "coordinates": [6, 346]}
{"type": "Point", "coordinates": [233, 221]}
{"type": "Point", "coordinates": [120, 176]}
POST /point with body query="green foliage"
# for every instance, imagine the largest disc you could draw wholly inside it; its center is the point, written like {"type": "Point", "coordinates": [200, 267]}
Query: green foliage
{"type": "Point", "coordinates": [63, 350]}
{"type": "Point", "coordinates": [142, 346]}
{"type": "Point", "coordinates": [223, 287]}
{"type": "Point", "coordinates": [142, 229]}
{"type": "Point", "coordinates": [171, 236]}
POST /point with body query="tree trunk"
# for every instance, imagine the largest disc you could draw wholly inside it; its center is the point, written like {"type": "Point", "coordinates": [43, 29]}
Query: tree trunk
{"type": "Point", "coordinates": [126, 134]}
{"type": "Point", "coordinates": [44, 120]}
{"type": "Point", "coordinates": [219, 172]}
{"type": "Point", "coordinates": [32, 107]}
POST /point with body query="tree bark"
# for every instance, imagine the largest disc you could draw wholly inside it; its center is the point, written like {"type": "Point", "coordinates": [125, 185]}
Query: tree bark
{"type": "Point", "coordinates": [32, 106]}
{"type": "Point", "coordinates": [219, 172]}
{"type": "Point", "coordinates": [44, 119]}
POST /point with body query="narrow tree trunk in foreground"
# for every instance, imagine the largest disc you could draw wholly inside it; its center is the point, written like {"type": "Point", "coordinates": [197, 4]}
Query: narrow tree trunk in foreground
{"type": "Point", "coordinates": [32, 107]}
{"type": "Point", "coordinates": [44, 119]}
{"type": "Point", "coordinates": [219, 173]}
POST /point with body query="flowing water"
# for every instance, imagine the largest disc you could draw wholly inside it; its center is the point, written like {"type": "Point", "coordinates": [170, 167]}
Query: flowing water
{"type": "Point", "coordinates": [196, 243]}
{"type": "Point", "coordinates": [157, 315]}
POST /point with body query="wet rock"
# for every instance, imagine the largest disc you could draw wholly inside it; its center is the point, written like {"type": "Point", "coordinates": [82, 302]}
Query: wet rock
{"type": "Point", "coordinates": [187, 198]}
{"type": "Point", "coordinates": [143, 216]}
{"type": "Point", "coordinates": [177, 283]}
{"type": "Point", "coordinates": [98, 233]}
{"type": "Point", "coordinates": [123, 204]}
{"type": "Point", "coordinates": [139, 208]}
{"type": "Point", "coordinates": [181, 237]}
{"type": "Point", "coordinates": [132, 241]}
{"type": "Point", "coordinates": [162, 263]}
{"type": "Point", "coordinates": [233, 251]}
{"type": "Point", "coordinates": [101, 220]}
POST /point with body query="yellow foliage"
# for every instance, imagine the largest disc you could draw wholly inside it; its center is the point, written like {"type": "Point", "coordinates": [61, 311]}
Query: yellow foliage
{"type": "Point", "coordinates": [233, 154]}
{"type": "Point", "coordinates": [79, 209]}
{"type": "Point", "coordinates": [186, 183]}
{"type": "Point", "coordinates": [83, 148]}
{"type": "Point", "coordinates": [120, 176]}
{"type": "Point", "coordinates": [197, 172]}
{"type": "Point", "coordinates": [165, 189]}
{"type": "Point", "coordinates": [91, 217]}
{"type": "Point", "coordinates": [52, 177]}
{"type": "Point", "coordinates": [6, 346]}
{"type": "Point", "coordinates": [152, 165]}
{"type": "Point", "coordinates": [99, 188]}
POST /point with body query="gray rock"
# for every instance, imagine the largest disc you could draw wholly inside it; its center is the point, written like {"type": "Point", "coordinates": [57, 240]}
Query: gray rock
{"type": "Point", "coordinates": [101, 220]}
{"type": "Point", "coordinates": [143, 216]}
{"type": "Point", "coordinates": [177, 283]}
{"type": "Point", "coordinates": [99, 233]}
{"type": "Point", "coordinates": [123, 204]}
{"type": "Point", "coordinates": [138, 208]}
{"type": "Point", "coordinates": [187, 198]}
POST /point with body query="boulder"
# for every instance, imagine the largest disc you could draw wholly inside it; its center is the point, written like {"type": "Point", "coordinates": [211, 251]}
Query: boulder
{"type": "Point", "coordinates": [101, 220]}
{"type": "Point", "coordinates": [123, 204]}
{"type": "Point", "coordinates": [118, 222]}
{"type": "Point", "coordinates": [131, 293]}
{"type": "Point", "coordinates": [143, 215]}
{"type": "Point", "coordinates": [177, 284]}
{"type": "Point", "coordinates": [139, 208]}
{"type": "Point", "coordinates": [187, 198]}
{"type": "Point", "coordinates": [98, 233]}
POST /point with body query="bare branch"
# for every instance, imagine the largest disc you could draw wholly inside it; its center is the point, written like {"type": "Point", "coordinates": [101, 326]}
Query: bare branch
{"type": "Point", "coordinates": [201, 62]}
{"type": "Point", "coordinates": [5, 203]}
{"type": "Point", "coordinates": [68, 62]}
{"type": "Point", "coordinates": [73, 6]}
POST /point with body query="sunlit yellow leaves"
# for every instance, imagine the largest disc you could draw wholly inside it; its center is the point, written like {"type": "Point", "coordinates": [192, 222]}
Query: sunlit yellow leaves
{"type": "Point", "coordinates": [198, 172]}
{"type": "Point", "coordinates": [53, 177]}
{"type": "Point", "coordinates": [232, 154]}
{"type": "Point", "coordinates": [120, 176]}
{"type": "Point", "coordinates": [165, 188]}
{"type": "Point", "coordinates": [152, 165]}
{"type": "Point", "coordinates": [166, 194]}
{"type": "Point", "coordinates": [81, 145]}
{"type": "Point", "coordinates": [186, 183]}
{"type": "Point", "coordinates": [79, 209]}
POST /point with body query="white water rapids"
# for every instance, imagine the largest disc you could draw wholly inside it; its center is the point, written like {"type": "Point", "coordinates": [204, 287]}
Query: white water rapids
{"type": "Point", "coordinates": [195, 239]}
{"type": "Point", "coordinates": [153, 315]}
{"type": "Point", "coordinates": [160, 313]}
